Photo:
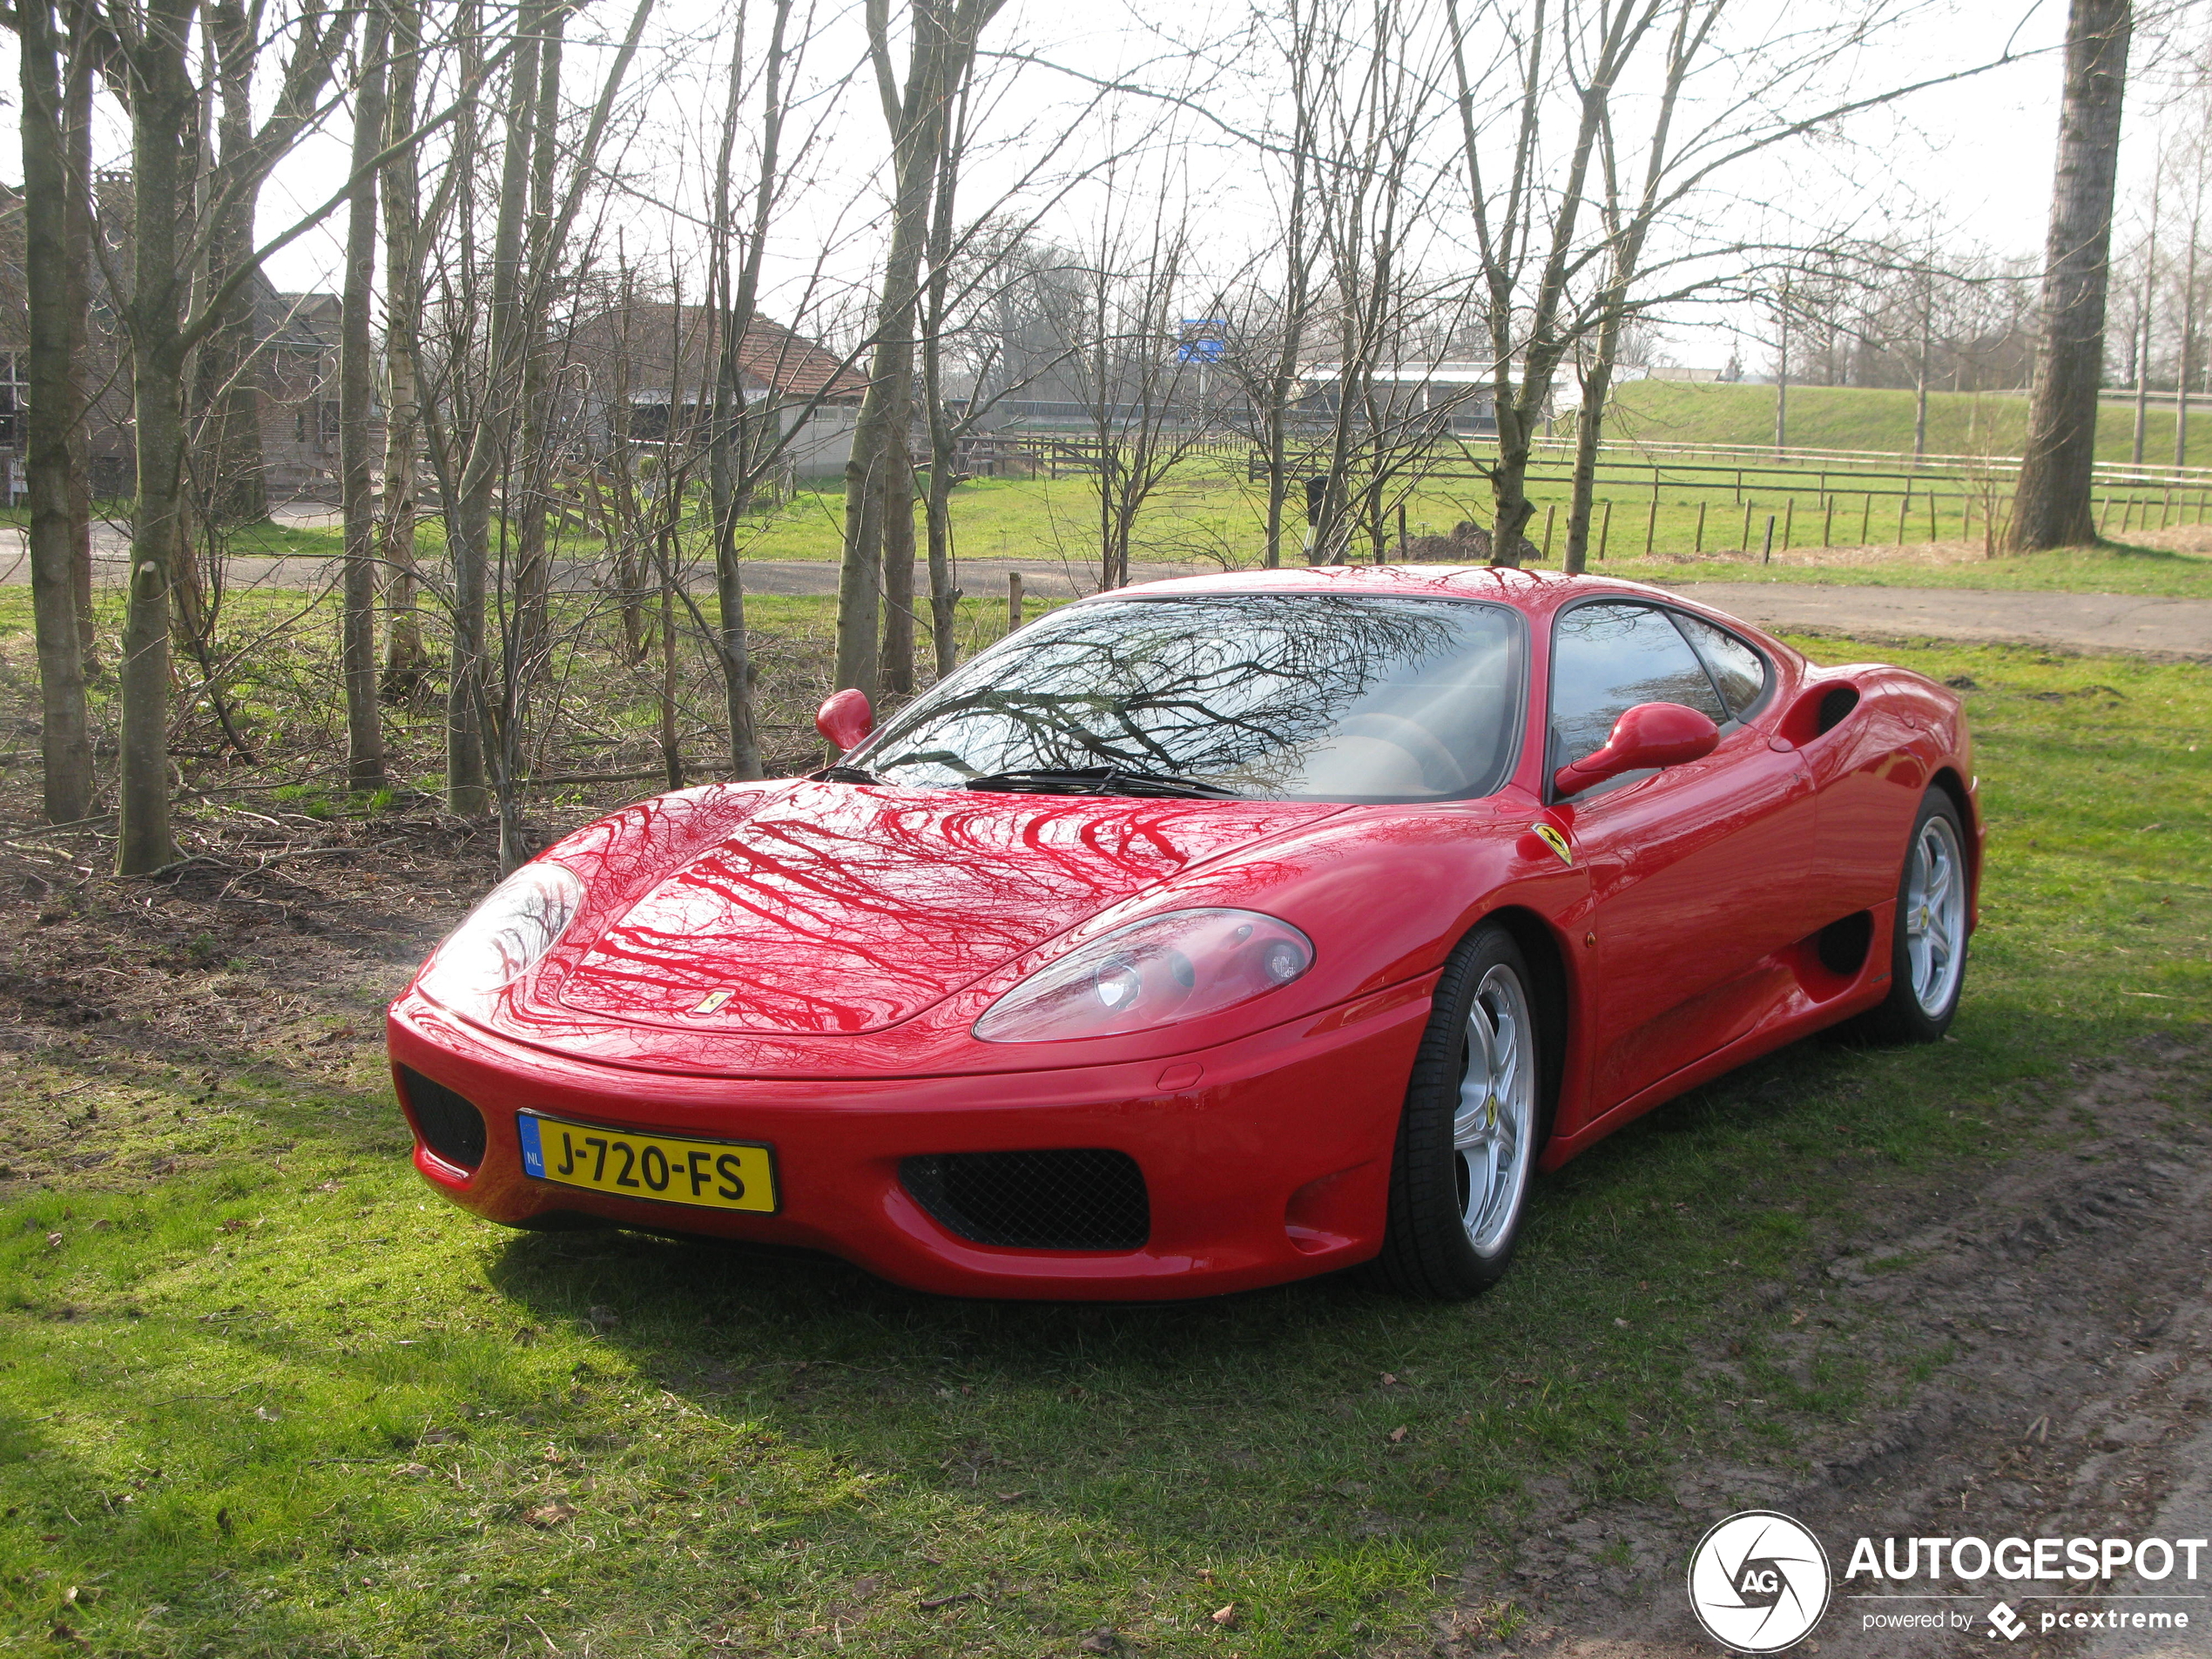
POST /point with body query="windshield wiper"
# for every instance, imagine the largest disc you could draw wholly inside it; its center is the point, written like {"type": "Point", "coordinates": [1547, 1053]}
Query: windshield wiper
{"type": "Point", "coordinates": [841, 775]}
{"type": "Point", "coordinates": [1099, 780]}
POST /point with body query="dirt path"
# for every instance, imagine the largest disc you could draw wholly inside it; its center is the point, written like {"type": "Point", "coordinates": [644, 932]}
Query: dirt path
{"type": "Point", "coordinates": [2087, 622]}
{"type": "Point", "coordinates": [2073, 1288]}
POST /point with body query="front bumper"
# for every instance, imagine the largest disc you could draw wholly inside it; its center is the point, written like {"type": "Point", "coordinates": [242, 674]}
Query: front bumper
{"type": "Point", "coordinates": [1265, 1159]}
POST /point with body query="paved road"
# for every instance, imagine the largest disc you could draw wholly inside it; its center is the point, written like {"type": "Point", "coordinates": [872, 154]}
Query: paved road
{"type": "Point", "coordinates": [2089, 622]}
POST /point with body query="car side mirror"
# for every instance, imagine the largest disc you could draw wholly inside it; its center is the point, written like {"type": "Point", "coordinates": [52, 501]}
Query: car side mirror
{"type": "Point", "coordinates": [844, 719]}
{"type": "Point", "coordinates": [1651, 734]}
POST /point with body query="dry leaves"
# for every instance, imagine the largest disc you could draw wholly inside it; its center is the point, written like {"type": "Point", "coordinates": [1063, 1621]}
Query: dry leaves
{"type": "Point", "coordinates": [1398, 1435]}
{"type": "Point", "coordinates": [1225, 1617]}
{"type": "Point", "coordinates": [555, 1514]}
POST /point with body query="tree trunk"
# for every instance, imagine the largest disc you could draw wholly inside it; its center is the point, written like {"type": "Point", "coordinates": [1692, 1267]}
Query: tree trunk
{"type": "Point", "coordinates": [78, 74]}
{"type": "Point", "coordinates": [228, 368]}
{"type": "Point", "coordinates": [2053, 506]}
{"type": "Point", "coordinates": [469, 516]}
{"type": "Point", "coordinates": [356, 372]}
{"type": "Point", "coordinates": [162, 108]}
{"type": "Point", "coordinates": [406, 662]}
{"type": "Point", "coordinates": [65, 737]}
{"type": "Point", "coordinates": [737, 438]}
{"type": "Point", "coordinates": [880, 471]}
{"type": "Point", "coordinates": [528, 479]}
{"type": "Point", "coordinates": [1589, 430]}
{"type": "Point", "coordinates": [1782, 375]}
{"type": "Point", "coordinates": [937, 504]}
{"type": "Point", "coordinates": [897, 662]}
{"type": "Point", "coordinates": [2188, 351]}
{"type": "Point", "coordinates": [2141, 342]}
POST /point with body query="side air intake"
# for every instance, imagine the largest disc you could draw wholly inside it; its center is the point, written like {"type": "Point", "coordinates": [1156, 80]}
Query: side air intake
{"type": "Point", "coordinates": [450, 1125]}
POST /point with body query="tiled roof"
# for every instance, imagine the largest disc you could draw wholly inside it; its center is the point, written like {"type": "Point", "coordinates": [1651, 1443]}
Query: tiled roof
{"type": "Point", "coordinates": [794, 366]}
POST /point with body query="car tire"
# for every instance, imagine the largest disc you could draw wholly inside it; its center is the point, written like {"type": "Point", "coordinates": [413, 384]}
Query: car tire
{"type": "Point", "coordinates": [1472, 1126]}
{"type": "Point", "coordinates": [1928, 934]}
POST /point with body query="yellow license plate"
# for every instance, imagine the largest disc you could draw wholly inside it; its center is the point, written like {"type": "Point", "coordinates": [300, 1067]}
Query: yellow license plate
{"type": "Point", "coordinates": [713, 1175]}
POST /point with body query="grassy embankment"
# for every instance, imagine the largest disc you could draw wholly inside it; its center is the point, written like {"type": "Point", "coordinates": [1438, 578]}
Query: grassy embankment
{"type": "Point", "coordinates": [261, 1395]}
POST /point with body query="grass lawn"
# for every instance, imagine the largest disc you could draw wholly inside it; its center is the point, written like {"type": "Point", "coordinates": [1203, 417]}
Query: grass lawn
{"type": "Point", "coordinates": [1855, 417]}
{"type": "Point", "coordinates": [2114, 568]}
{"type": "Point", "coordinates": [260, 1393]}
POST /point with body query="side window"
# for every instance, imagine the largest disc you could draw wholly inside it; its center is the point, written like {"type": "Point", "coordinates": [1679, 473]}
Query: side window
{"type": "Point", "coordinates": [1606, 659]}
{"type": "Point", "coordinates": [1738, 669]}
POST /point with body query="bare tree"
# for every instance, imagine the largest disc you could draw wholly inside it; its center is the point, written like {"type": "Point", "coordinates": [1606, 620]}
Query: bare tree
{"type": "Point", "coordinates": [2051, 506]}
{"type": "Point", "coordinates": [734, 441]}
{"type": "Point", "coordinates": [406, 661]}
{"type": "Point", "coordinates": [878, 563]}
{"type": "Point", "coordinates": [50, 463]}
{"type": "Point", "coordinates": [356, 397]}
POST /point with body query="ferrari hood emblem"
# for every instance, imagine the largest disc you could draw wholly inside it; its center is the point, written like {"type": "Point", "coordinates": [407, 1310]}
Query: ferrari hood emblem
{"type": "Point", "coordinates": [712, 1000]}
{"type": "Point", "coordinates": [1555, 840]}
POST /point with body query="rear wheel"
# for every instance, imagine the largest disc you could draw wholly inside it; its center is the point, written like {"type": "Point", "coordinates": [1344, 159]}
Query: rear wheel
{"type": "Point", "coordinates": [1471, 1129]}
{"type": "Point", "coordinates": [1928, 942]}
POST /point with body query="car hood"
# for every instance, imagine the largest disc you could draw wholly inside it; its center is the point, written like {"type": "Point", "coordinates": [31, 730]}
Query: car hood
{"type": "Point", "coordinates": [837, 908]}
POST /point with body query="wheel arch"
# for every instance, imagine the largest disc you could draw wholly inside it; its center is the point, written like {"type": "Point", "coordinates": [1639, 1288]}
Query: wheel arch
{"type": "Point", "coordinates": [1539, 949]}
{"type": "Point", "coordinates": [1947, 780]}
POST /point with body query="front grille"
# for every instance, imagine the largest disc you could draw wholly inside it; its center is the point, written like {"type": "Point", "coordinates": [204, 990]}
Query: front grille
{"type": "Point", "coordinates": [448, 1125]}
{"type": "Point", "coordinates": [1086, 1199]}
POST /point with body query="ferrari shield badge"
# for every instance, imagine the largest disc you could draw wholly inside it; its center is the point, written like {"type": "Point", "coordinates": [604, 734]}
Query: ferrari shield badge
{"type": "Point", "coordinates": [1555, 840]}
{"type": "Point", "coordinates": [712, 1001]}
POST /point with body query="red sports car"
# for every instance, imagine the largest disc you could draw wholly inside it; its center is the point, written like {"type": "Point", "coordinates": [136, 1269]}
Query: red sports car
{"type": "Point", "coordinates": [1208, 934]}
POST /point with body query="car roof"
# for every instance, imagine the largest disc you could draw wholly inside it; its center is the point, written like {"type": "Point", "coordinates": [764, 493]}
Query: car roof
{"type": "Point", "coordinates": [1530, 591]}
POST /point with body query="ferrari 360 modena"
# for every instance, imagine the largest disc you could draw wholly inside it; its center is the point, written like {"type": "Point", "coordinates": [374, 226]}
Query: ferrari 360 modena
{"type": "Point", "coordinates": [1208, 934]}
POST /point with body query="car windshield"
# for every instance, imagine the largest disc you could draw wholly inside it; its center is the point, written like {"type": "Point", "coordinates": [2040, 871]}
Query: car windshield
{"type": "Point", "coordinates": [1300, 697]}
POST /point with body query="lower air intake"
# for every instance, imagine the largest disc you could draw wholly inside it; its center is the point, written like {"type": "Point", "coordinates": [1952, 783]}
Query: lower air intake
{"type": "Point", "coordinates": [449, 1126]}
{"type": "Point", "coordinates": [1088, 1200]}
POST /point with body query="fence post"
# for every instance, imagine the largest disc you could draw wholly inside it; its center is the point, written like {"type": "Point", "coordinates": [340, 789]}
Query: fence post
{"type": "Point", "coordinates": [1550, 513]}
{"type": "Point", "coordinates": [1604, 532]}
{"type": "Point", "coordinates": [1766, 553]}
{"type": "Point", "coordinates": [1651, 523]}
{"type": "Point", "coordinates": [1903, 506]}
{"type": "Point", "coordinates": [1828, 524]}
{"type": "Point", "coordinates": [2165, 507]}
{"type": "Point", "coordinates": [1932, 518]}
{"type": "Point", "coordinates": [1865, 517]}
{"type": "Point", "coordinates": [1401, 532]}
{"type": "Point", "coordinates": [2104, 515]}
{"type": "Point", "coordinates": [1789, 521]}
{"type": "Point", "coordinates": [1012, 600]}
{"type": "Point", "coordinates": [1699, 545]}
{"type": "Point", "coordinates": [1746, 543]}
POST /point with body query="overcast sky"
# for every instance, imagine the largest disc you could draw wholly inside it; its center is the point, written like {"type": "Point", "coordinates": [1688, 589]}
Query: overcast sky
{"type": "Point", "coordinates": [1981, 151]}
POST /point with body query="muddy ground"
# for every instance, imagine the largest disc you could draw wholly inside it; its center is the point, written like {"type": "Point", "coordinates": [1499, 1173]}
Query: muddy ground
{"type": "Point", "coordinates": [2073, 1288]}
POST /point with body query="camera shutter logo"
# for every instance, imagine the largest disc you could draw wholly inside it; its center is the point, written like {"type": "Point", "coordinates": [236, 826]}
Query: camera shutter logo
{"type": "Point", "coordinates": [1758, 1582]}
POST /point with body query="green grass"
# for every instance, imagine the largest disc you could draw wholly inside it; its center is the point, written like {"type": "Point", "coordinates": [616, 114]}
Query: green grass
{"type": "Point", "coordinates": [1853, 417]}
{"type": "Point", "coordinates": [2113, 568]}
{"type": "Point", "coordinates": [286, 1403]}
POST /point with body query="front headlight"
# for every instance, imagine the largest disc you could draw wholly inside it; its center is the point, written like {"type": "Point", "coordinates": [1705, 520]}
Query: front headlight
{"type": "Point", "coordinates": [1160, 971]}
{"type": "Point", "coordinates": [502, 938]}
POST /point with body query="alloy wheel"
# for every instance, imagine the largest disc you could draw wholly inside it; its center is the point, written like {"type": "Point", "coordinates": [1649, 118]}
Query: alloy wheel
{"type": "Point", "coordinates": [1494, 1128]}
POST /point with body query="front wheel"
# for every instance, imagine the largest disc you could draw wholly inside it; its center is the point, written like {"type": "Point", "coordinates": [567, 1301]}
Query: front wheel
{"type": "Point", "coordinates": [1468, 1139]}
{"type": "Point", "coordinates": [1928, 942]}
